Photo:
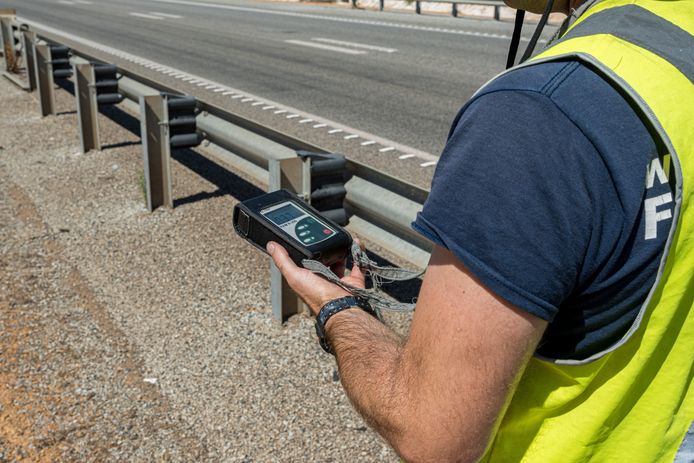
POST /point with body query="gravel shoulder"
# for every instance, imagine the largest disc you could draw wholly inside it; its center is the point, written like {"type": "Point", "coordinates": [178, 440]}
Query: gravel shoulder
{"type": "Point", "coordinates": [130, 336]}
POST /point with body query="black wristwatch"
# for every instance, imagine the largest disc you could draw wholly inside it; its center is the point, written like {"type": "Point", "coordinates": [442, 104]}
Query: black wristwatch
{"type": "Point", "coordinates": [333, 307]}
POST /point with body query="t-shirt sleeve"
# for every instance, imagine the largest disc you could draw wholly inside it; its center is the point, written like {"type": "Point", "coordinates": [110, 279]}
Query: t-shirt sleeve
{"type": "Point", "coordinates": [512, 198]}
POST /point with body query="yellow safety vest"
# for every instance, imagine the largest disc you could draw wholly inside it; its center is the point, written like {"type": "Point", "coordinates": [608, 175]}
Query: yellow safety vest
{"type": "Point", "coordinates": [634, 402]}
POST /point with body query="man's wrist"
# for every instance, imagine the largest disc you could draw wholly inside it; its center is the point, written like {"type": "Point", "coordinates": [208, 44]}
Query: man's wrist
{"type": "Point", "coordinates": [335, 308]}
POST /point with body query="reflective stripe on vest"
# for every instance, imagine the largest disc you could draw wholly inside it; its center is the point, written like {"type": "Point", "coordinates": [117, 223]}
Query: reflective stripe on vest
{"type": "Point", "coordinates": [635, 401]}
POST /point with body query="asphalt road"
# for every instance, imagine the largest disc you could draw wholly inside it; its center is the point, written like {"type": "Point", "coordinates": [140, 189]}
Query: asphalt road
{"type": "Point", "coordinates": [397, 76]}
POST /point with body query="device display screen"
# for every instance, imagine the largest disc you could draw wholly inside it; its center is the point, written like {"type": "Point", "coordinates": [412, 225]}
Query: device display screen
{"type": "Point", "coordinates": [297, 223]}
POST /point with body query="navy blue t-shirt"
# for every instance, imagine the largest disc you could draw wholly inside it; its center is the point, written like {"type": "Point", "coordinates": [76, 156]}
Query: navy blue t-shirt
{"type": "Point", "coordinates": [553, 193]}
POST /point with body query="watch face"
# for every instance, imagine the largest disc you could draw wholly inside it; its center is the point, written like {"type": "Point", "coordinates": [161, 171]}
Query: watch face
{"type": "Point", "coordinates": [302, 226]}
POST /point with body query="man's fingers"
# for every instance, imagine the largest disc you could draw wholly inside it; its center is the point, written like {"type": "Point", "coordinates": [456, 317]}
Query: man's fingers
{"type": "Point", "coordinates": [281, 258]}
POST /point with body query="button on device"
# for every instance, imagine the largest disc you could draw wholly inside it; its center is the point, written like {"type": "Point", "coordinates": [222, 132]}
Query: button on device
{"type": "Point", "coordinates": [304, 233]}
{"type": "Point", "coordinates": [327, 231]}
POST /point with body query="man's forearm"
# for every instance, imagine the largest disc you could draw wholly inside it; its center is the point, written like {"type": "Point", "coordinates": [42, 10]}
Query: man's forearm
{"type": "Point", "coordinates": [369, 359]}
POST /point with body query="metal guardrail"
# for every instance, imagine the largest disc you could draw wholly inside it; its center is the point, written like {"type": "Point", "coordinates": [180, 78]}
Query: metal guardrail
{"type": "Point", "coordinates": [381, 206]}
{"type": "Point", "coordinates": [497, 4]}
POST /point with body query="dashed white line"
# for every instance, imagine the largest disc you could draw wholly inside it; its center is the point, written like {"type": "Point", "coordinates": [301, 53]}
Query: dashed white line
{"type": "Point", "coordinates": [258, 103]}
{"type": "Point", "coordinates": [165, 15]}
{"type": "Point", "coordinates": [201, 84]}
{"type": "Point", "coordinates": [281, 111]}
{"type": "Point", "coordinates": [355, 45]}
{"type": "Point", "coordinates": [349, 137]}
{"type": "Point", "coordinates": [303, 121]}
{"type": "Point", "coordinates": [335, 131]}
{"type": "Point", "coordinates": [219, 90]}
{"type": "Point", "coordinates": [318, 126]}
{"type": "Point", "coordinates": [236, 97]}
{"type": "Point", "coordinates": [146, 16]}
{"type": "Point", "coordinates": [227, 93]}
{"type": "Point", "coordinates": [367, 143]}
{"type": "Point", "coordinates": [293, 116]}
{"type": "Point", "coordinates": [346, 51]}
{"type": "Point", "coordinates": [406, 156]}
{"type": "Point", "coordinates": [246, 100]}
{"type": "Point", "coordinates": [386, 149]}
{"type": "Point", "coordinates": [265, 108]}
{"type": "Point", "coordinates": [428, 164]}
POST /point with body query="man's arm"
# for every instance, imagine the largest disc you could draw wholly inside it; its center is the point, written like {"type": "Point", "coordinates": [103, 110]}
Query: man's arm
{"type": "Point", "coordinates": [438, 395]}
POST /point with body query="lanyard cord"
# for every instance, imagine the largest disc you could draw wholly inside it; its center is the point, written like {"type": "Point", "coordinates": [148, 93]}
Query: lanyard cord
{"type": "Point", "coordinates": [538, 31]}
{"type": "Point", "coordinates": [515, 39]}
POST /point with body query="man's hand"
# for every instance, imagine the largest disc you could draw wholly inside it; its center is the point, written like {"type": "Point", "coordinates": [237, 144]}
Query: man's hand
{"type": "Point", "coordinates": [315, 290]}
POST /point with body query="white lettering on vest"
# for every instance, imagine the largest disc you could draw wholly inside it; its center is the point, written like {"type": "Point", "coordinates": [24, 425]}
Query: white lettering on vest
{"type": "Point", "coordinates": [653, 216]}
{"type": "Point", "coordinates": [656, 168]}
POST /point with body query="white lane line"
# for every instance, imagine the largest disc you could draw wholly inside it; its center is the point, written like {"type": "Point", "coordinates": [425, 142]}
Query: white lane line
{"type": "Point", "coordinates": [246, 100]}
{"type": "Point", "coordinates": [386, 149]}
{"type": "Point", "coordinates": [395, 25]}
{"type": "Point", "coordinates": [265, 108]}
{"type": "Point", "coordinates": [257, 103]}
{"type": "Point", "coordinates": [236, 97]}
{"type": "Point", "coordinates": [281, 111]}
{"type": "Point", "coordinates": [66, 2]}
{"type": "Point", "coordinates": [406, 156]}
{"type": "Point", "coordinates": [146, 16]}
{"type": "Point", "coordinates": [227, 93]}
{"type": "Point", "coordinates": [165, 15]}
{"type": "Point", "coordinates": [293, 116]}
{"type": "Point", "coordinates": [335, 131]}
{"type": "Point", "coordinates": [349, 137]}
{"type": "Point", "coordinates": [303, 121]}
{"type": "Point", "coordinates": [83, 2]}
{"type": "Point", "coordinates": [318, 126]}
{"type": "Point", "coordinates": [219, 90]}
{"type": "Point", "coordinates": [428, 164]}
{"type": "Point", "coordinates": [210, 86]}
{"type": "Point", "coordinates": [201, 84]}
{"type": "Point", "coordinates": [346, 51]}
{"type": "Point", "coordinates": [367, 143]}
{"type": "Point", "coordinates": [355, 45]}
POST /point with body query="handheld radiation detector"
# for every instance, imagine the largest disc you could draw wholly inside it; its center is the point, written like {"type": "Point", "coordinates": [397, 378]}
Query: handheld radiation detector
{"type": "Point", "coordinates": [283, 217]}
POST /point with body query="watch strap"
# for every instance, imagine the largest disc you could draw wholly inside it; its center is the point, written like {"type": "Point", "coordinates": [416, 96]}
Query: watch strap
{"type": "Point", "coordinates": [337, 306]}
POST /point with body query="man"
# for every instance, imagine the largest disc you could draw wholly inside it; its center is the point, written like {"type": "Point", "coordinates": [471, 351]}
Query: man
{"type": "Point", "coordinates": [555, 320]}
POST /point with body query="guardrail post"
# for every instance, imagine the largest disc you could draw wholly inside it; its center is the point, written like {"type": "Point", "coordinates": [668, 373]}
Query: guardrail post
{"type": "Point", "coordinates": [381, 4]}
{"type": "Point", "coordinates": [497, 12]}
{"type": "Point", "coordinates": [417, 8]}
{"type": "Point", "coordinates": [156, 151]}
{"type": "Point", "coordinates": [29, 44]}
{"type": "Point", "coordinates": [293, 174]}
{"type": "Point", "coordinates": [44, 78]}
{"type": "Point", "coordinates": [7, 17]}
{"type": "Point", "coordinates": [87, 107]}
{"type": "Point", "coordinates": [454, 10]}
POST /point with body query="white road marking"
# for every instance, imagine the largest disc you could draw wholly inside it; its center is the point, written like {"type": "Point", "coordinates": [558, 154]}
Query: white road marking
{"type": "Point", "coordinates": [303, 121]}
{"type": "Point", "coordinates": [202, 84]}
{"type": "Point", "coordinates": [293, 116]}
{"type": "Point", "coordinates": [386, 149]}
{"type": "Point", "coordinates": [318, 126]}
{"type": "Point", "coordinates": [165, 15]}
{"type": "Point", "coordinates": [346, 51]}
{"type": "Point", "coordinates": [227, 93]}
{"type": "Point", "coordinates": [219, 90]}
{"type": "Point", "coordinates": [83, 2]}
{"type": "Point", "coordinates": [428, 163]}
{"type": "Point", "coordinates": [146, 16]}
{"type": "Point", "coordinates": [236, 97]}
{"type": "Point", "coordinates": [258, 103]}
{"type": "Point", "coordinates": [345, 20]}
{"type": "Point", "coordinates": [412, 152]}
{"type": "Point", "coordinates": [355, 45]}
{"type": "Point", "coordinates": [406, 156]}
{"type": "Point", "coordinates": [246, 100]}
{"type": "Point", "coordinates": [349, 137]}
{"type": "Point", "coordinates": [367, 143]}
{"type": "Point", "coordinates": [210, 86]}
{"type": "Point", "coordinates": [66, 2]}
{"type": "Point", "coordinates": [265, 108]}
